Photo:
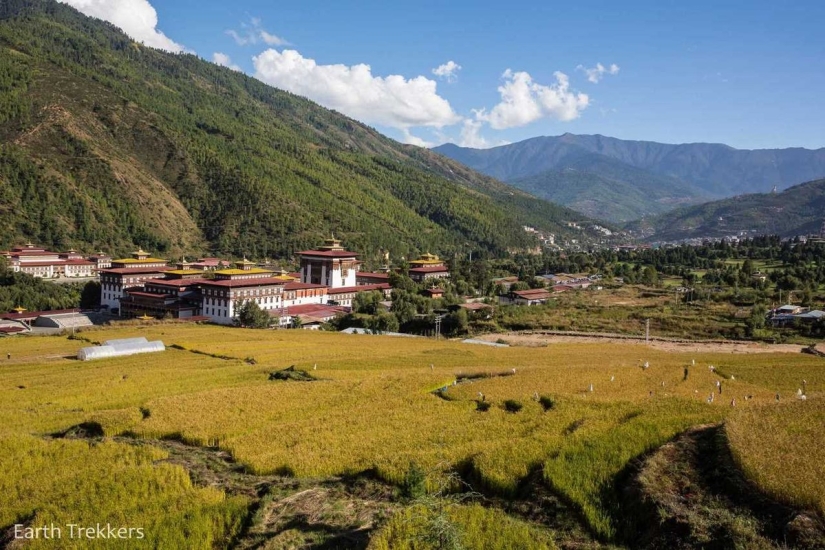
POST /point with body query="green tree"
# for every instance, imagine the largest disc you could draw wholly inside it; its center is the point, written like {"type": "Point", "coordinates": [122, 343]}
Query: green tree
{"type": "Point", "coordinates": [250, 314]}
{"type": "Point", "coordinates": [755, 321]}
{"type": "Point", "coordinates": [649, 276]}
{"type": "Point", "coordinates": [383, 322]}
{"type": "Point", "coordinates": [367, 302]}
{"type": "Point", "coordinates": [90, 295]}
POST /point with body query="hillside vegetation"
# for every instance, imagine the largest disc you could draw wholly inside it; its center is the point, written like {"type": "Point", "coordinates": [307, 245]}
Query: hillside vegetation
{"type": "Point", "coordinates": [795, 211]}
{"type": "Point", "coordinates": [607, 189]}
{"type": "Point", "coordinates": [110, 144]}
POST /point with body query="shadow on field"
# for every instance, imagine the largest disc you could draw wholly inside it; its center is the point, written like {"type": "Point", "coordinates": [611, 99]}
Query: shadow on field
{"type": "Point", "coordinates": [689, 494]}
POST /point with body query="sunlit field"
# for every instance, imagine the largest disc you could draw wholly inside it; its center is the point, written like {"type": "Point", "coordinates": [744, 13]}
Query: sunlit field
{"type": "Point", "coordinates": [586, 411]}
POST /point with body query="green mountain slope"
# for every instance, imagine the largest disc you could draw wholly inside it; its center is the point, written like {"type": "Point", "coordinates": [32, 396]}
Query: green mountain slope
{"type": "Point", "coordinates": [109, 144]}
{"type": "Point", "coordinates": [716, 170]}
{"type": "Point", "coordinates": [798, 210]}
{"type": "Point", "coordinates": [607, 189]}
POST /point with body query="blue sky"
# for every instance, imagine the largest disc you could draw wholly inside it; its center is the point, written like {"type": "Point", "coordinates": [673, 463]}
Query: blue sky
{"type": "Point", "coordinates": [749, 74]}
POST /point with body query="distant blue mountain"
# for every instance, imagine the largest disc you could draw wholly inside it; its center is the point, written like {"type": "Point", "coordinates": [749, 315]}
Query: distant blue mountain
{"type": "Point", "coordinates": [642, 177]}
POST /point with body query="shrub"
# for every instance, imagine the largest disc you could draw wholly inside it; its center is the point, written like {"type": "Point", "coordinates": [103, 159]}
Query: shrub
{"type": "Point", "coordinates": [415, 482]}
{"type": "Point", "coordinates": [482, 406]}
{"type": "Point", "coordinates": [547, 402]}
{"type": "Point", "coordinates": [513, 406]}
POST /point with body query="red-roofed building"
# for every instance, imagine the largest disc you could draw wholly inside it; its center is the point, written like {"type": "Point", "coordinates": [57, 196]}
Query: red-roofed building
{"type": "Point", "coordinates": [434, 293]}
{"type": "Point", "coordinates": [329, 265]}
{"type": "Point", "coordinates": [128, 273]}
{"type": "Point", "coordinates": [531, 297]}
{"type": "Point", "coordinates": [421, 274]}
{"type": "Point", "coordinates": [232, 287]}
{"type": "Point", "coordinates": [369, 278]}
{"type": "Point", "coordinates": [310, 316]}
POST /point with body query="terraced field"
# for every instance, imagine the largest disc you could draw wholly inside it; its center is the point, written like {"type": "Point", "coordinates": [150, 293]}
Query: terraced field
{"type": "Point", "coordinates": [569, 417]}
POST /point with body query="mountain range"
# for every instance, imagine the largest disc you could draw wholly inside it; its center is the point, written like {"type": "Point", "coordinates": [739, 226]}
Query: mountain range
{"type": "Point", "coordinates": [621, 180]}
{"type": "Point", "coordinates": [108, 144]}
{"type": "Point", "coordinates": [798, 210]}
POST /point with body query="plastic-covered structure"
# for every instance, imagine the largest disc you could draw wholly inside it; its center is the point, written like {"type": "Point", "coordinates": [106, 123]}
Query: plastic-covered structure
{"type": "Point", "coordinates": [120, 347]}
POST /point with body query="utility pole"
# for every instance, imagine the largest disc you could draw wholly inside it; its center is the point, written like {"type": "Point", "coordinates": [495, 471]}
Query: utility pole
{"type": "Point", "coordinates": [437, 326]}
{"type": "Point", "coordinates": [647, 331]}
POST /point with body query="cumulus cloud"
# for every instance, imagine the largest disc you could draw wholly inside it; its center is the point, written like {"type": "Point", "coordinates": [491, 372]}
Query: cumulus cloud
{"type": "Point", "coordinates": [471, 135]}
{"type": "Point", "coordinates": [524, 101]}
{"type": "Point", "coordinates": [448, 71]}
{"type": "Point", "coordinates": [595, 74]}
{"type": "Point", "coordinates": [254, 33]}
{"type": "Point", "coordinates": [137, 18]}
{"type": "Point", "coordinates": [407, 137]}
{"type": "Point", "coordinates": [392, 100]}
{"type": "Point", "coordinates": [223, 59]}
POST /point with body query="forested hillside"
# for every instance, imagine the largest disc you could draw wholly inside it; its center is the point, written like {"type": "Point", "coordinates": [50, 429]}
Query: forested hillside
{"type": "Point", "coordinates": [603, 188]}
{"type": "Point", "coordinates": [110, 144]}
{"type": "Point", "coordinates": [799, 210]}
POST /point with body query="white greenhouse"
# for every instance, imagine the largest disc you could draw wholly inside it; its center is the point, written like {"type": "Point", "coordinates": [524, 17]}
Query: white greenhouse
{"type": "Point", "coordinates": [121, 347]}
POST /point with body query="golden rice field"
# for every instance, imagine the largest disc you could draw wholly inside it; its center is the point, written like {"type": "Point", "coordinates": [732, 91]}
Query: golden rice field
{"type": "Point", "coordinates": [781, 449]}
{"type": "Point", "coordinates": [373, 409]}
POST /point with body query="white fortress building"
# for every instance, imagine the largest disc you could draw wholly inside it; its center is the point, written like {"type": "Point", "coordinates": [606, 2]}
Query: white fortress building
{"type": "Point", "coordinates": [329, 265]}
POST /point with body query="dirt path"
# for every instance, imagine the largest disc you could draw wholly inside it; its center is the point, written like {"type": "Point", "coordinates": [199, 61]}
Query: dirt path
{"type": "Point", "coordinates": [538, 339]}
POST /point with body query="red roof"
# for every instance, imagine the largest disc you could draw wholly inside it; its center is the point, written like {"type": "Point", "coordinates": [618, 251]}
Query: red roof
{"type": "Point", "coordinates": [40, 264]}
{"type": "Point", "coordinates": [430, 269]}
{"type": "Point", "coordinates": [358, 288]}
{"type": "Point", "coordinates": [147, 294]}
{"type": "Point", "coordinates": [315, 310]}
{"type": "Point", "coordinates": [329, 253]}
{"type": "Point", "coordinates": [176, 282]}
{"type": "Point", "coordinates": [533, 293]}
{"type": "Point", "coordinates": [261, 281]}
{"type": "Point", "coordinates": [35, 314]}
{"type": "Point", "coordinates": [135, 270]}
{"type": "Point", "coordinates": [369, 275]}
{"type": "Point", "coordinates": [34, 252]}
{"type": "Point", "coordinates": [475, 306]}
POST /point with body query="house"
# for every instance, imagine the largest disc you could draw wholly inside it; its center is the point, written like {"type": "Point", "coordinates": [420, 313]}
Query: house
{"type": "Point", "coordinates": [505, 282]}
{"type": "Point", "coordinates": [428, 266]}
{"type": "Point", "coordinates": [531, 297]}
{"type": "Point", "coordinates": [434, 293]}
{"type": "Point", "coordinates": [310, 316]}
{"type": "Point", "coordinates": [370, 278]}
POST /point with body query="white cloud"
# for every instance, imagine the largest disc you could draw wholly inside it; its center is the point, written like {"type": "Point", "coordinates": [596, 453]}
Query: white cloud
{"type": "Point", "coordinates": [223, 59]}
{"type": "Point", "coordinates": [254, 33]}
{"type": "Point", "coordinates": [407, 137]}
{"type": "Point", "coordinates": [448, 71]}
{"type": "Point", "coordinates": [471, 135]}
{"type": "Point", "coordinates": [524, 101]}
{"type": "Point", "coordinates": [595, 74]}
{"type": "Point", "coordinates": [137, 18]}
{"type": "Point", "coordinates": [392, 101]}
